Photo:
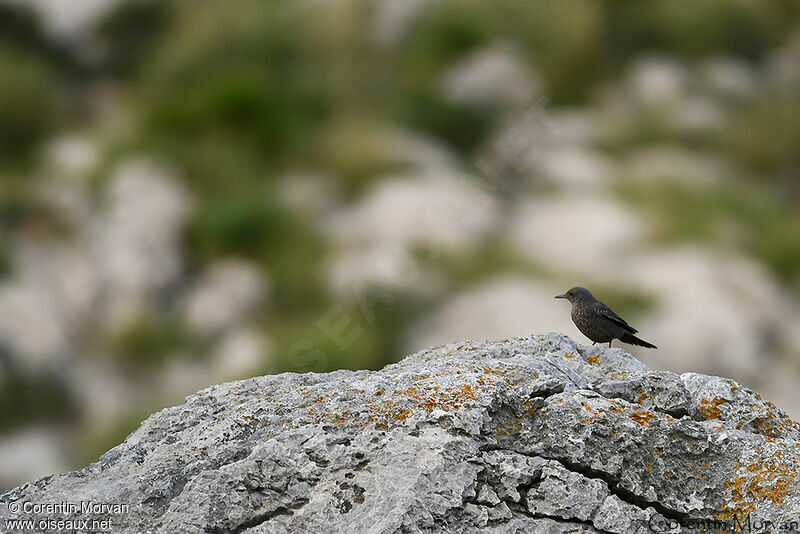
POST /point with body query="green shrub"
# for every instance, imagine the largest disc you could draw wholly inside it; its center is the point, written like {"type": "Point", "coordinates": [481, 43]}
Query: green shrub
{"type": "Point", "coordinates": [148, 340]}
{"type": "Point", "coordinates": [27, 94]}
{"type": "Point", "coordinates": [266, 88]}
{"type": "Point", "coordinates": [462, 127]}
{"type": "Point", "coordinates": [27, 398]}
{"type": "Point", "coordinates": [347, 342]}
{"type": "Point", "coordinates": [255, 225]}
{"type": "Point", "coordinates": [241, 224]}
{"type": "Point", "coordinates": [131, 32]}
{"type": "Point", "coordinates": [5, 261]}
{"type": "Point", "coordinates": [367, 332]}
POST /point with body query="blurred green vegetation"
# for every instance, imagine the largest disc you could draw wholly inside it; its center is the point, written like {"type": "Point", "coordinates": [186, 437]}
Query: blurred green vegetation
{"type": "Point", "coordinates": [130, 33]}
{"type": "Point", "coordinates": [148, 340]}
{"type": "Point", "coordinates": [255, 225]}
{"type": "Point", "coordinates": [24, 213]}
{"type": "Point", "coordinates": [28, 96]}
{"type": "Point", "coordinates": [482, 261]}
{"type": "Point", "coordinates": [740, 215]}
{"type": "Point", "coordinates": [5, 261]}
{"type": "Point", "coordinates": [94, 443]}
{"type": "Point", "coordinates": [359, 334]}
{"type": "Point", "coordinates": [236, 94]}
{"type": "Point", "coordinates": [626, 302]}
{"type": "Point", "coordinates": [27, 398]}
{"type": "Point", "coordinates": [696, 29]}
{"type": "Point", "coordinates": [33, 75]}
{"type": "Point", "coordinates": [766, 135]}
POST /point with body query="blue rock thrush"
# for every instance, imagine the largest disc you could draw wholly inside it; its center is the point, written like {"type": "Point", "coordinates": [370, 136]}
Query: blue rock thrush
{"type": "Point", "coordinates": [597, 321]}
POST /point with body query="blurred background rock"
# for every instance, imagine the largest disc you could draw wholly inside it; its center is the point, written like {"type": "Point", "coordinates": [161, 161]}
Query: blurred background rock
{"type": "Point", "coordinates": [197, 191]}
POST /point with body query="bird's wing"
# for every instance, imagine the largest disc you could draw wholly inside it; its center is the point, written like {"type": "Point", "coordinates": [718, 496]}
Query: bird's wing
{"type": "Point", "coordinates": [606, 312]}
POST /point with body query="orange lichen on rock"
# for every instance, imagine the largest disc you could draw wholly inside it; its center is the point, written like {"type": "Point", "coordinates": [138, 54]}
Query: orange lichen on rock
{"type": "Point", "coordinates": [589, 409]}
{"type": "Point", "coordinates": [593, 360]}
{"type": "Point", "coordinates": [710, 409]}
{"type": "Point", "coordinates": [387, 407]}
{"type": "Point", "coordinates": [642, 417]}
{"type": "Point", "coordinates": [768, 481]}
{"type": "Point", "coordinates": [384, 412]}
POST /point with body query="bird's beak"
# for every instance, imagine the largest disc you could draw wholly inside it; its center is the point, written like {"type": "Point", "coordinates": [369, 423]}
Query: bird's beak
{"type": "Point", "coordinates": [562, 296]}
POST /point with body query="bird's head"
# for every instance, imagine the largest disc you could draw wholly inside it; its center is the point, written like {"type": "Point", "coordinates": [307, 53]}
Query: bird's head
{"type": "Point", "coordinates": [576, 294]}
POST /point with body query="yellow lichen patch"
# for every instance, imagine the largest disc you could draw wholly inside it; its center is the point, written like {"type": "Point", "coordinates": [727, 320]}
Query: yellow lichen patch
{"type": "Point", "coordinates": [774, 420]}
{"type": "Point", "coordinates": [737, 488]}
{"type": "Point", "coordinates": [386, 407]}
{"type": "Point", "coordinates": [568, 355]}
{"type": "Point", "coordinates": [764, 481]}
{"type": "Point", "coordinates": [642, 396]}
{"type": "Point", "coordinates": [340, 418]}
{"type": "Point", "coordinates": [593, 360]}
{"type": "Point", "coordinates": [512, 427]}
{"type": "Point", "coordinates": [642, 417]}
{"type": "Point", "coordinates": [710, 409]}
{"type": "Point", "coordinates": [490, 371]}
{"type": "Point", "coordinates": [589, 409]}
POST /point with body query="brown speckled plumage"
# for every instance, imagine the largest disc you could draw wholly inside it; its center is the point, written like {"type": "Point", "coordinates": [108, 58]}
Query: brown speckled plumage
{"type": "Point", "coordinates": [598, 322]}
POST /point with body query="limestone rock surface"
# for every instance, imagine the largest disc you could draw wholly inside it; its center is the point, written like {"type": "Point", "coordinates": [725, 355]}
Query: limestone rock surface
{"type": "Point", "coordinates": [534, 434]}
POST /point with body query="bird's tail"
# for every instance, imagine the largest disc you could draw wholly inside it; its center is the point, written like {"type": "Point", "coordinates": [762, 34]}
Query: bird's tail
{"type": "Point", "coordinates": [633, 340]}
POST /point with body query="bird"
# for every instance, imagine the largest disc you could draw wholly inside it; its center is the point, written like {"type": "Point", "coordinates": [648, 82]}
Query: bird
{"type": "Point", "coordinates": [597, 321]}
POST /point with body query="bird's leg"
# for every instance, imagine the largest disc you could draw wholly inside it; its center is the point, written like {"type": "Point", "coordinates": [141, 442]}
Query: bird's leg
{"type": "Point", "coordinates": [609, 344]}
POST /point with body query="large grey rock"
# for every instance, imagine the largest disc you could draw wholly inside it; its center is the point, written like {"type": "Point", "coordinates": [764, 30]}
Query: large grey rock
{"type": "Point", "coordinates": [534, 434]}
